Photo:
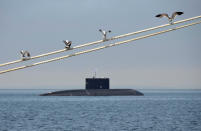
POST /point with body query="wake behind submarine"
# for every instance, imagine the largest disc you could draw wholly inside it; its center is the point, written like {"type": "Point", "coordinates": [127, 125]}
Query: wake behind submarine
{"type": "Point", "coordinates": [96, 87]}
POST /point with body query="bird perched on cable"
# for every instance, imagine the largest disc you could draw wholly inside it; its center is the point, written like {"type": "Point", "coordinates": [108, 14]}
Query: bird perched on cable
{"type": "Point", "coordinates": [170, 18]}
{"type": "Point", "coordinates": [67, 43]}
{"type": "Point", "coordinates": [25, 55]}
{"type": "Point", "coordinates": [104, 33]}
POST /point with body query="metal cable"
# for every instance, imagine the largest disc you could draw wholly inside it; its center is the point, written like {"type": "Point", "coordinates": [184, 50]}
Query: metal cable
{"type": "Point", "coordinates": [100, 41]}
{"type": "Point", "coordinates": [99, 48]}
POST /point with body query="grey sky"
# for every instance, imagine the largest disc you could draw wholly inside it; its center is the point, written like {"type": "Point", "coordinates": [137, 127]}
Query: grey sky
{"type": "Point", "coordinates": [170, 60]}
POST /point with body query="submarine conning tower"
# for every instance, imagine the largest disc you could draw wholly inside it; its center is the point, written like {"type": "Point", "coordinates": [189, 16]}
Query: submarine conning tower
{"type": "Point", "coordinates": [97, 83]}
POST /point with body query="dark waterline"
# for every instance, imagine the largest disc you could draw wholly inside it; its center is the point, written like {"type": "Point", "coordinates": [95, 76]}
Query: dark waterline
{"type": "Point", "coordinates": [168, 110]}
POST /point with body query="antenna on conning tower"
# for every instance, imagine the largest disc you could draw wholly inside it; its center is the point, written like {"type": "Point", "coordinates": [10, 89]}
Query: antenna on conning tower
{"type": "Point", "coordinates": [94, 75]}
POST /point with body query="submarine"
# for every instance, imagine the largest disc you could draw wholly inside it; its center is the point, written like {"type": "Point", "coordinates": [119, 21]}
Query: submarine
{"type": "Point", "coordinates": [96, 87]}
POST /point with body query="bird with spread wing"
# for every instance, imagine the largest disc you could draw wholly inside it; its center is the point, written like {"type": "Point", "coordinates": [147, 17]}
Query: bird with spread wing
{"type": "Point", "coordinates": [170, 18]}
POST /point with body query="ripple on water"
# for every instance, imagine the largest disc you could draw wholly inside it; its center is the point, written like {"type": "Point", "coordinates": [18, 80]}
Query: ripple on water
{"type": "Point", "coordinates": [150, 112]}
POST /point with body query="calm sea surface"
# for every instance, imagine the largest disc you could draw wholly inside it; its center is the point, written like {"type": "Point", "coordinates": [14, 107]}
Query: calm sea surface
{"type": "Point", "coordinates": [24, 110]}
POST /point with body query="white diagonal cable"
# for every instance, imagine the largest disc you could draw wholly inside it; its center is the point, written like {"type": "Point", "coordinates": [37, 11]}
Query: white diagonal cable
{"type": "Point", "coordinates": [99, 48]}
{"type": "Point", "coordinates": [100, 41]}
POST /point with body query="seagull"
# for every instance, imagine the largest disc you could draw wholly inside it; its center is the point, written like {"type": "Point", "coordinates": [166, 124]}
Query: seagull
{"type": "Point", "coordinates": [104, 33]}
{"type": "Point", "coordinates": [67, 43]}
{"type": "Point", "coordinates": [170, 18]}
{"type": "Point", "coordinates": [22, 52]}
{"type": "Point", "coordinates": [25, 55]}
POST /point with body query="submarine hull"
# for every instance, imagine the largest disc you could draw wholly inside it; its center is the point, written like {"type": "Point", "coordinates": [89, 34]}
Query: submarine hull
{"type": "Point", "coordinates": [95, 92]}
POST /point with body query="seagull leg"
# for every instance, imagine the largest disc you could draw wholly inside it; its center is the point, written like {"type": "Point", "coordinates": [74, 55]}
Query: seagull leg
{"type": "Point", "coordinates": [171, 22]}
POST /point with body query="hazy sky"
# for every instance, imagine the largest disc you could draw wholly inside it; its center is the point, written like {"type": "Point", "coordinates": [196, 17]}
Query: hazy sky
{"type": "Point", "coordinates": [171, 60]}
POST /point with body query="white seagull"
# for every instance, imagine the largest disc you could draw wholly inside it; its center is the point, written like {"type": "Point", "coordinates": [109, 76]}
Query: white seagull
{"type": "Point", "coordinates": [170, 18]}
{"type": "Point", "coordinates": [104, 33]}
{"type": "Point", "coordinates": [67, 43]}
{"type": "Point", "coordinates": [25, 55]}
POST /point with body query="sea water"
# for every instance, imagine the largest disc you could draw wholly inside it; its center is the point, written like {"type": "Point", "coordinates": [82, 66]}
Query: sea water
{"type": "Point", "coordinates": [157, 110]}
